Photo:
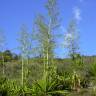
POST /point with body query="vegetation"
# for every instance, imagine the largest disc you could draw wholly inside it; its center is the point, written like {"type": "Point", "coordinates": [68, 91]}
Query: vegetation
{"type": "Point", "coordinates": [37, 72]}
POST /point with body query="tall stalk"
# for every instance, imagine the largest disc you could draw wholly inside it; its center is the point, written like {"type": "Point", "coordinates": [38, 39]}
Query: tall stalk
{"type": "Point", "coordinates": [2, 47]}
{"type": "Point", "coordinates": [46, 39]}
{"type": "Point", "coordinates": [3, 64]}
{"type": "Point", "coordinates": [24, 47]}
{"type": "Point", "coordinates": [22, 82]}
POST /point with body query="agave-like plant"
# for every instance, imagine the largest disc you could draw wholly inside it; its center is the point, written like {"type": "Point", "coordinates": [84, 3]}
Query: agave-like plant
{"type": "Point", "coordinates": [75, 81]}
{"type": "Point", "coordinates": [3, 87]}
{"type": "Point", "coordinates": [47, 86]}
{"type": "Point", "coordinates": [43, 88]}
{"type": "Point", "coordinates": [92, 75]}
{"type": "Point", "coordinates": [15, 89]}
{"type": "Point", "coordinates": [92, 70]}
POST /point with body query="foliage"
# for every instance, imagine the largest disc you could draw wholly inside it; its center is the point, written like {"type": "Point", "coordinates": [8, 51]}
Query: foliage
{"type": "Point", "coordinates": [36, 71]}
{"type": "Point", "coordinates": [71, 40]}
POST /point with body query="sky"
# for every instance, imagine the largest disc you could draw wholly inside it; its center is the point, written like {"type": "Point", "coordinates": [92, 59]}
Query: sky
{"type": "Point", "coordinates": [14, 13]}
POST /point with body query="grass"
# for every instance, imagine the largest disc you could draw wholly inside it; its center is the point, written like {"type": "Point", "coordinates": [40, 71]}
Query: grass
{"type": "Point", "coordinates": [68, 80]}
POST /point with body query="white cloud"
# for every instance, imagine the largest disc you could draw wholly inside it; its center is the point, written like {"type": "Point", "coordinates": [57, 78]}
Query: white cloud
{"type": "Point", "coordinates": [77, 13]}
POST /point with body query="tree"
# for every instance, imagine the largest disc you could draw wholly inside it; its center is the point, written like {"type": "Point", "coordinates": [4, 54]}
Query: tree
{"type": "Point", "coordinates": [24, 46]}
{"type": "Point", "coordinates": [2, 46]}
{"type": "Point", "coordinates": [53, 24]}
{"type": "Point", "coordinates": [15, 56]}
{"type": "Point", "coordinates": [46, 28]}
{"type": "Point", "coordinates": [7, 55]}
{"type": "Point", "coordinates": [71, 40]}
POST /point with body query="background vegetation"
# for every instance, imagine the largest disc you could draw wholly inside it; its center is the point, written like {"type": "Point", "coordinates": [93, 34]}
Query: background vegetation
{"type": "Point", "coordinates": [36, 71]}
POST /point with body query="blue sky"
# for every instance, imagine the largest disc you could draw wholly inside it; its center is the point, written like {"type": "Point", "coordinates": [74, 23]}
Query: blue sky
{"type": "Point", "coordinates": [14, 13]}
